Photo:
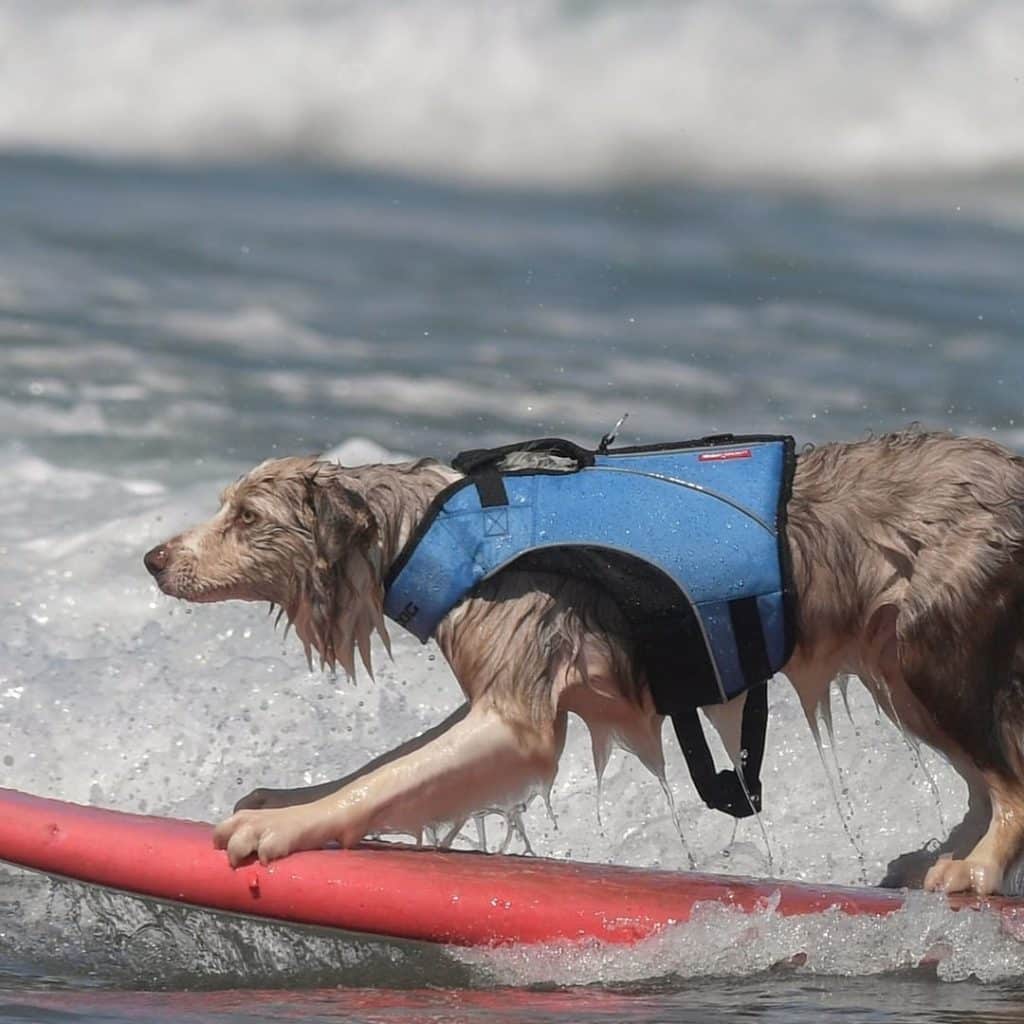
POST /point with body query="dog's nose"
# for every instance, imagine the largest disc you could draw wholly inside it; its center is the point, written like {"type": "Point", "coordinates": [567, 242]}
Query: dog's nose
{"type": "Point", "coordinates": [156, 559]}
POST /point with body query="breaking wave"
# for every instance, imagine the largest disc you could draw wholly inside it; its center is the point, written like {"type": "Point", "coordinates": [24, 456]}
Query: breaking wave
{"type": "Point", "coordinates": [784, 89]}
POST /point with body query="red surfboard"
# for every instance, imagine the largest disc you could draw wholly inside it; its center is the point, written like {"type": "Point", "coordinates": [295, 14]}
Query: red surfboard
{"type": "Point", "coordinates": [401, 891]}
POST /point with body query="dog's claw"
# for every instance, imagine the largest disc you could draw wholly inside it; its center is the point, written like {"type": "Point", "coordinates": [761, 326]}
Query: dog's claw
{"type": "Point", "coordinates": [949, 875]}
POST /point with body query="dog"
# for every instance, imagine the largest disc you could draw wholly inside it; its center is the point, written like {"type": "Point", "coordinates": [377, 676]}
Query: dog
{"type": "Point", "coordinates": [907, 559]}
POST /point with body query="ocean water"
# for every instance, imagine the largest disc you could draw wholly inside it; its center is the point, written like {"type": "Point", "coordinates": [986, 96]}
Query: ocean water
{"type": "Point", "coordinates": [233, 231]}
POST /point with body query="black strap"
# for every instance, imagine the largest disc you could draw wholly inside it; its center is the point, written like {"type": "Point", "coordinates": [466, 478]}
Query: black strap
{"type": "Point", "coordinates": [489, 486]}
{"type": "Point", "coordinates": [749, 633]}
{"type": "Point", "coordinates": [723, 791]}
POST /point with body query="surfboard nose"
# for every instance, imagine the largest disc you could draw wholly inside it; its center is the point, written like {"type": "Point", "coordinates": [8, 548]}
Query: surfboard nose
{"type": "Point", "coordinates": [156, 559]}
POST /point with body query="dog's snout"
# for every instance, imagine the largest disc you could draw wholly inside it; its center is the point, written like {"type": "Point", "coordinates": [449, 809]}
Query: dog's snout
{"type": "Point", "coordinates": [156, 559]}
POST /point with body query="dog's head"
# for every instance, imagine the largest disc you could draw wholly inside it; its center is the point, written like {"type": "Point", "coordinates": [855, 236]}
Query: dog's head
{"type": "Point", "coordinates": [297, 533]}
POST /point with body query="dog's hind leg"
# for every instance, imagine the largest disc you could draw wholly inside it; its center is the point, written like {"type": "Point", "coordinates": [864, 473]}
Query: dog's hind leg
{"type": "Point", "coordinates": [1001, 849]}
{"type": "Point", "coordinates": [977, 851]}
{"type": "Point", "coordinates": [1012, 727]}
{"type": "Point", "coordinates": [909, 869]}
{"type": "Point", "coordinates": [983, 869]}
{"type": "Point", "coordinates": [965, 669]}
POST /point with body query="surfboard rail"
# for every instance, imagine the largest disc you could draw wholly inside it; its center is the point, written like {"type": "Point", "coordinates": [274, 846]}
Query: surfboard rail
{"type": "Point", "coordinates": [404, 892]}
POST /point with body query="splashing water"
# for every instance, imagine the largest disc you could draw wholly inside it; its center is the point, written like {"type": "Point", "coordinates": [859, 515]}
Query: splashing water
{"type": "Point", "coordinates": [744, 754]}
{"type": "Point", "coordinates": [670, 800]}
{"type": "Point", "coordinates": [719, 941]}
{"type": "Point", "coordinates": [914, 746]}
{"type": "Point", "coordinates": [835, 786]}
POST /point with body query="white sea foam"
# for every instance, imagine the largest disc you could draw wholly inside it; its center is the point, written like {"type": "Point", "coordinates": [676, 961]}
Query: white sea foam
{"type": "Point", "coordinates": [546, 91]}
{"type": "Point", "coordinates": [722, 942]}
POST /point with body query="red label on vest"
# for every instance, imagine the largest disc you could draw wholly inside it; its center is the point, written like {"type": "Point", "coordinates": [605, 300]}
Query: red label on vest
{"type": "Point", "coordinates": [738, 453]}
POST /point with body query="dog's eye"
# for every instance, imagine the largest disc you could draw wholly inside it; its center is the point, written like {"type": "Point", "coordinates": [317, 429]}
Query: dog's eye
{"type": "Point", "coordinates": [247, 516]}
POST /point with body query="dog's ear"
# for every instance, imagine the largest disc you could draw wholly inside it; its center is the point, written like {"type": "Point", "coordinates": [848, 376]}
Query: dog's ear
{"type": "Point", "coordinates": [341, 518]}
{"type": "Point", "coordinates": [342, 529]}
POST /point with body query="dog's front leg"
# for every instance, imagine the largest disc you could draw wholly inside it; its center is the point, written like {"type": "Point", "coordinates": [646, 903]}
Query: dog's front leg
{"type": "Point", "coordinates": [481, 762]}
{"type": "Point", "coordinates": [264, 797]}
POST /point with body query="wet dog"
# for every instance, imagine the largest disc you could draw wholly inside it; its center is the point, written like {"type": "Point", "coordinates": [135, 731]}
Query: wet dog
{"type": "Point", "coordinates": [907, 553]}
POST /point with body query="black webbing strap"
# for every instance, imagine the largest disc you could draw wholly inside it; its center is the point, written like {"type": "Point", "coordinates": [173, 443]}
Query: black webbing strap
{"type": "Point", "coordinates": [749, 633]}
{"type": "Point", "coordinates": [489, 485]}
{"type": "Point", "coordinates": [481, 466]}
{"type": "Point", "coordinates": [723, 791]}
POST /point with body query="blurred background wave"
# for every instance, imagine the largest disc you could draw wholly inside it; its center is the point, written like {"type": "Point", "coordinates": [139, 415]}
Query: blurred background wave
{"type": "Point", "coordinates": [552, 92]}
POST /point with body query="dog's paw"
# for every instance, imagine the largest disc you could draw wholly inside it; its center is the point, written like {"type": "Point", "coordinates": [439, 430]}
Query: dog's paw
{"type": "Point", "coordinates": [269, 834]}
{"type": "Point", "coordinates": [949, 875]}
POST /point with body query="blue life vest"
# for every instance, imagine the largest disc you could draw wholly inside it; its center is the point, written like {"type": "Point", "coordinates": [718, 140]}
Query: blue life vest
{"type": "Point", "coordinates": [688, 538]}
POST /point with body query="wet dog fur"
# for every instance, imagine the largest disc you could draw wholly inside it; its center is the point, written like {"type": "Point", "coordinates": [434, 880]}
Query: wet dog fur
{"type": "Point", "coordinates": [908, 560]}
